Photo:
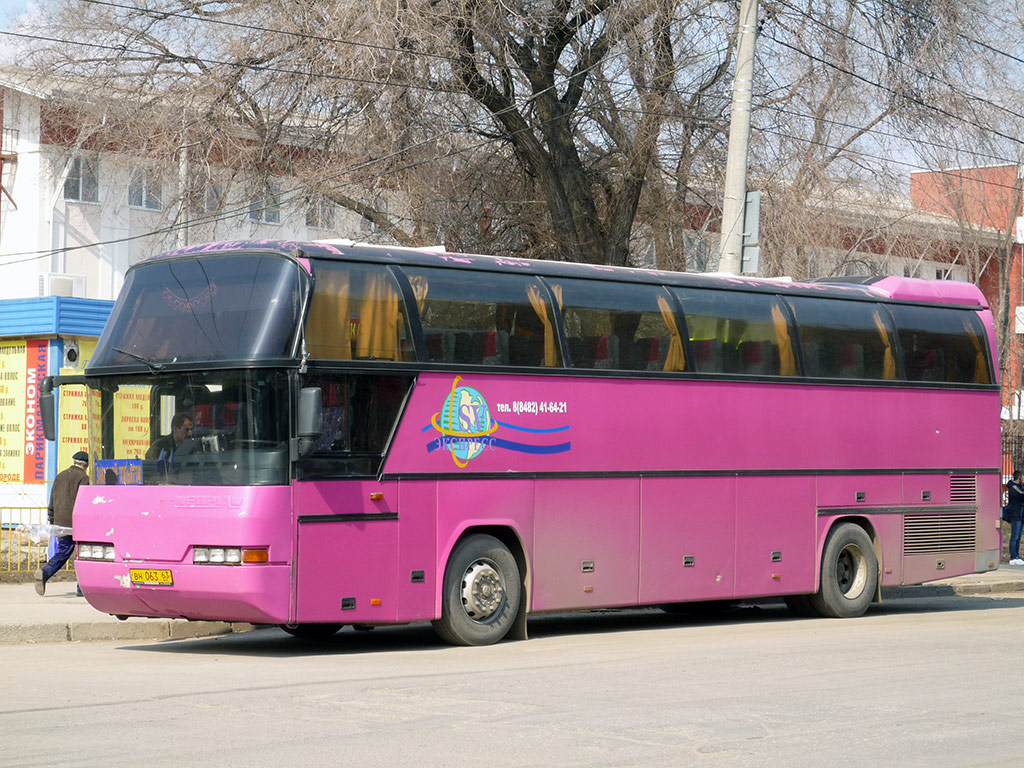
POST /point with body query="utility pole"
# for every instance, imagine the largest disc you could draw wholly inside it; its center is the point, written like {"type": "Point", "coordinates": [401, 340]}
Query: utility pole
{"type": "Point", "coordinates": [181, 235]}
{"type": "Point", "coordinates": [739, 136]}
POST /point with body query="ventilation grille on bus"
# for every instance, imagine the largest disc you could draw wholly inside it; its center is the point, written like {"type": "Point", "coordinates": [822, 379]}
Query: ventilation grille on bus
{"type": "Point", "coordinates": [963, 489]}
{"type": "Point", "coordinates": [933, 534]}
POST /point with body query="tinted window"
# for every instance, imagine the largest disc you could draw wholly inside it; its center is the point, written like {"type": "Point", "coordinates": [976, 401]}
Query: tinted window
{"type": "Point", "coordinates": [942, 344]}
{"type": "Point", "coordinates": [210, 428]}
{"type": "Point", "coordinates": [359, 415]}
{"type": "Point", "coordinates": [357, 313]}
{"type": "Point", "coordinates": [733, 332]}
{"type": "Point", "coordinates": [619, 326]}
{"type": "Point", "coordinates": [845, 339]}
{"type": "Point", "coordinates": [224, 307]}
{"type": "Point", "coordinates": [477, 318]}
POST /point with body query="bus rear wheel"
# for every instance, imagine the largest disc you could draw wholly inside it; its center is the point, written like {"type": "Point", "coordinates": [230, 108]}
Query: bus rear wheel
{"type": "Point", "coordinates": [849, 573]}
{"type": "Point", "coordinates": [313, 631]}
{"type": "Point", "coordinates": [480, 593]}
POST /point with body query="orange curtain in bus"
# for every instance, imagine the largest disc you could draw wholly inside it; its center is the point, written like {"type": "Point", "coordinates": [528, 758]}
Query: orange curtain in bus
{"type": "Point", "coordinates": [889, 366]}
{"type": "Point", "coordinates": [541, 308]}
{"type": "Point", "coordinates": [328, 333]}
{"type": "Point", "coordinates": [419, 290]}
{"type": "Point", "coordinates": [676, 359]}
{"type": "Point", "coordinates": [377, 336]}
{"type": "Point", "coordinates": [980, 364]}
{"type": "Point", "coordinates": [787, 361]}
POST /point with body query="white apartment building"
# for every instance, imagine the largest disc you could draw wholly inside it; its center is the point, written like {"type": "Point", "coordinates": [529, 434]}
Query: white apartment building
{"type": "Point", "coordinates": [73, 220]}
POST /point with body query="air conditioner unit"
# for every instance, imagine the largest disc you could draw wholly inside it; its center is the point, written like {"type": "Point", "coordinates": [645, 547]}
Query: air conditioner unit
{"type": "Point", "coordinates": [54, 284]}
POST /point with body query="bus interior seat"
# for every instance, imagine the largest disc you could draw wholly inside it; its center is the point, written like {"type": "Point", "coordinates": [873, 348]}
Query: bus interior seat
{"type": "Point", "coordinates": [440, 345]}
{"type": "Point", "coordinates": [708, 354]}
{"type": "Point", "coordinates": [629, 357]}
{"type": "Point", "coordinates": [756, 357]}
{"type": "Point", "coordinates": [578, 352]}
{"type": "Point", "coordinates": [594, 351]}
{"type": "Point", "coordinates": [606, 351]}
{"type": "Point", "coordinates": [333, 429]}
{"type": "Point", "coordinates": [466, 348]}
{"type": "Point", "coordinates": [653, 352]}
{"type": "Point", "coordinates": [812, 359]}
{"type": "Point", "coordinates": [495, 348]}
{"type": "Point", "coordinates": [526, 349]}
{"type": "Point", "coordinates": [851, 362]}
{"type": "Point", "coordinates": [933, 366]}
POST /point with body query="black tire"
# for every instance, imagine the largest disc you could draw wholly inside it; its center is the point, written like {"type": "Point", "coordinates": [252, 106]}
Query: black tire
{"type": "Point", "coordinates": [313, 631]}
{"type": "Point", "coordinates": [481, 592]}
{"type": "Point", "coordinates": [849, 573]}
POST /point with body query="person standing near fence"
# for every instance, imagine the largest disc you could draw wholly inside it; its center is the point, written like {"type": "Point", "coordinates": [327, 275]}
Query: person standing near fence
{"type": "Point", "coordinates": [1015, 515]}
{"type": "Point", "coordinates": [62, 505]}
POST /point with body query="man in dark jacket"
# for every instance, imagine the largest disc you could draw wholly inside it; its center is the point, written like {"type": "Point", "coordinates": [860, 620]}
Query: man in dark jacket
{"type": "Point", "coordinates": [62, 505]}
{"type": "Point", "coordinates": [1015, 515]}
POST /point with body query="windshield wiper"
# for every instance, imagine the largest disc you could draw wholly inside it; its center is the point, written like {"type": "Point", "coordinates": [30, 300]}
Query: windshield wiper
{"type": "Point", "coordinates": [154, 367]}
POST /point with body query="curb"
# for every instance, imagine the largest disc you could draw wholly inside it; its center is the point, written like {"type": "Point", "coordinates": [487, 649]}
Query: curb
{"type": "Point", "coordinates": [87, 631]}
{"type": "Point", "coordinates": [946, 590]}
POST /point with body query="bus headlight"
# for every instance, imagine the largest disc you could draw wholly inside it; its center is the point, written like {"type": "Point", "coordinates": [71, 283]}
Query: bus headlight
{"type": "Point", "coordinates": [228, 555]}
{"type": "Point", "coordinates": [90, 551]}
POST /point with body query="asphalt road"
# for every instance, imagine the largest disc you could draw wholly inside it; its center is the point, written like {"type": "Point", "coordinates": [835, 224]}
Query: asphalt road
{"type": "Point", "coordinates": [928, 682]}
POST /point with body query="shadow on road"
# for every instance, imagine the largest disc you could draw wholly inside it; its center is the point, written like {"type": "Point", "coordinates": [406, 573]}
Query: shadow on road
{"type": "Point", "coordinates": [274, 642]}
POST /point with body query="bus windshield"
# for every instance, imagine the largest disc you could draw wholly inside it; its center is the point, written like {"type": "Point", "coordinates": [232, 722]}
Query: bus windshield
{"type": "Point", "coordinates": [210, 428]}
{"type": "Point", "coordinates": [191, 309]}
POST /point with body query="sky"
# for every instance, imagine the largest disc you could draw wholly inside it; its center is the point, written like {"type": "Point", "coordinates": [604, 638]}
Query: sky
{"type": "Point", "coordinates": [11, 9]}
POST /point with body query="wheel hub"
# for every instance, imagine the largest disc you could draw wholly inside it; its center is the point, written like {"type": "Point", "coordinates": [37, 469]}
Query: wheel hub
{"type": "Point", "coordinates": [851, 572]}
{"type": "Point", "coordinates": [482, 590]}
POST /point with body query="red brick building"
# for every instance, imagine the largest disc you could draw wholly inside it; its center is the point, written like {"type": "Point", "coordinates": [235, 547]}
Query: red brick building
{"type": "Point", "coordinates": [988, 198]}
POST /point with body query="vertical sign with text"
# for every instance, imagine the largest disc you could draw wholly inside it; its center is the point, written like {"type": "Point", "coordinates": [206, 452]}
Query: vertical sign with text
{"type": "Point", "coordinates": [23, 365]}
{"type": "Point", "coordinates": [36, 353]}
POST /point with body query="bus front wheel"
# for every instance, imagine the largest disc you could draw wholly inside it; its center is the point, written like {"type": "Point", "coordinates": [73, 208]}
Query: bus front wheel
{"type": "Point", "coordinates": [480, 593]}
{"type": "Point", "coordinates": [849, 573]}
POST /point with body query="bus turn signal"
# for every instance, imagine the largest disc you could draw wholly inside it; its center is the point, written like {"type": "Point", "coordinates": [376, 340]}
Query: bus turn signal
{"type": "Point", "coordinates": [254, 555]}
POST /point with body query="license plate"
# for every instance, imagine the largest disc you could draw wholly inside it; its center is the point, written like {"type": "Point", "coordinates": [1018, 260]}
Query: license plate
{"type": "Point", "coordinates": [151, 577]}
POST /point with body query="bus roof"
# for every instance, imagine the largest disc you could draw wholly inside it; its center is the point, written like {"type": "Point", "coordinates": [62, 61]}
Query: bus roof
{"type": "Point", "coordinates": [873, 287]}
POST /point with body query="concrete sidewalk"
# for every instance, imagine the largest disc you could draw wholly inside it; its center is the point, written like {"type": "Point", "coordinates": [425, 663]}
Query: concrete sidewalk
{"type": "Point", "coordinates": [60, 616]}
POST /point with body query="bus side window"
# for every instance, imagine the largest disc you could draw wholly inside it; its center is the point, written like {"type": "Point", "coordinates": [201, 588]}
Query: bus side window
{"type": "Point", "coordinates": [357, 313]}
{"type": "Point", "coordinates": [620, 326]}
{"type": "Point", "coordinates": [844, 339]}
{"type": "Point", "coordinates": [359, 415]}
{"type": "Point", "coordinates": [493, 319]}
{"type": "Point", "coordinates": [942, 344]}
{"type": "Point", "coordinates": [736, 332]}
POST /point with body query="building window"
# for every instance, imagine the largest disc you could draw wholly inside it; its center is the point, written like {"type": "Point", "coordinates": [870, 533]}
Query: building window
{"type": "Point", "coordinates": [213, 197]}
{"type": "Point", "coordinates": [144, 190]}
{"type": "Point", "coordinates": [320, 213]}
{"type": "Point", "coordinates": [82, 182]}
{"type": "Point", "coordinates": [265, 205]}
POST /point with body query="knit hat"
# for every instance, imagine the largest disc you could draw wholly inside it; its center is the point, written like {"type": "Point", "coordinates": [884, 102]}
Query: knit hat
{"type": "Point", "coordinates": [81, 456]}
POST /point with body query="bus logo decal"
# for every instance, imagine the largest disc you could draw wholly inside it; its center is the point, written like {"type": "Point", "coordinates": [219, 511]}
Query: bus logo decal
{"type": "Point", "coordinates": [467, 428]}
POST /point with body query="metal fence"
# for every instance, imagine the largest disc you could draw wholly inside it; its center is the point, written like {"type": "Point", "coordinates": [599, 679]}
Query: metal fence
{"type": "Point", "coordinates": [18, 553]}
{"type": "Point", "coordinates": [1013, 454]}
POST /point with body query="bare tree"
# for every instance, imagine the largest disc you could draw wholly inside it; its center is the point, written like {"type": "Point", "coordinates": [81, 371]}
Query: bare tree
{"type": "Point", "coordinates": [575, 129]}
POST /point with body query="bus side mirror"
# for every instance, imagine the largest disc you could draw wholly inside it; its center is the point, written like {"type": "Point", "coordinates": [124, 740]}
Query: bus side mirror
{"type": "Point", "coordinates": [310, 419]}
{"type": "Point", "coordinates": [46, 409]}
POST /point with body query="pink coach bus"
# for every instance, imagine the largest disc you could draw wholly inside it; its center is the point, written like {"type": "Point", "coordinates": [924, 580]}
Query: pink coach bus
{"type": "Point", "coordinates": [319, 434]}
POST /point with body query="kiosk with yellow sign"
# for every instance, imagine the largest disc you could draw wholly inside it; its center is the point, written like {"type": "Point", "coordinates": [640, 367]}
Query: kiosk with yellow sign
{"type": "Point", "coordinates": [38, 338]}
